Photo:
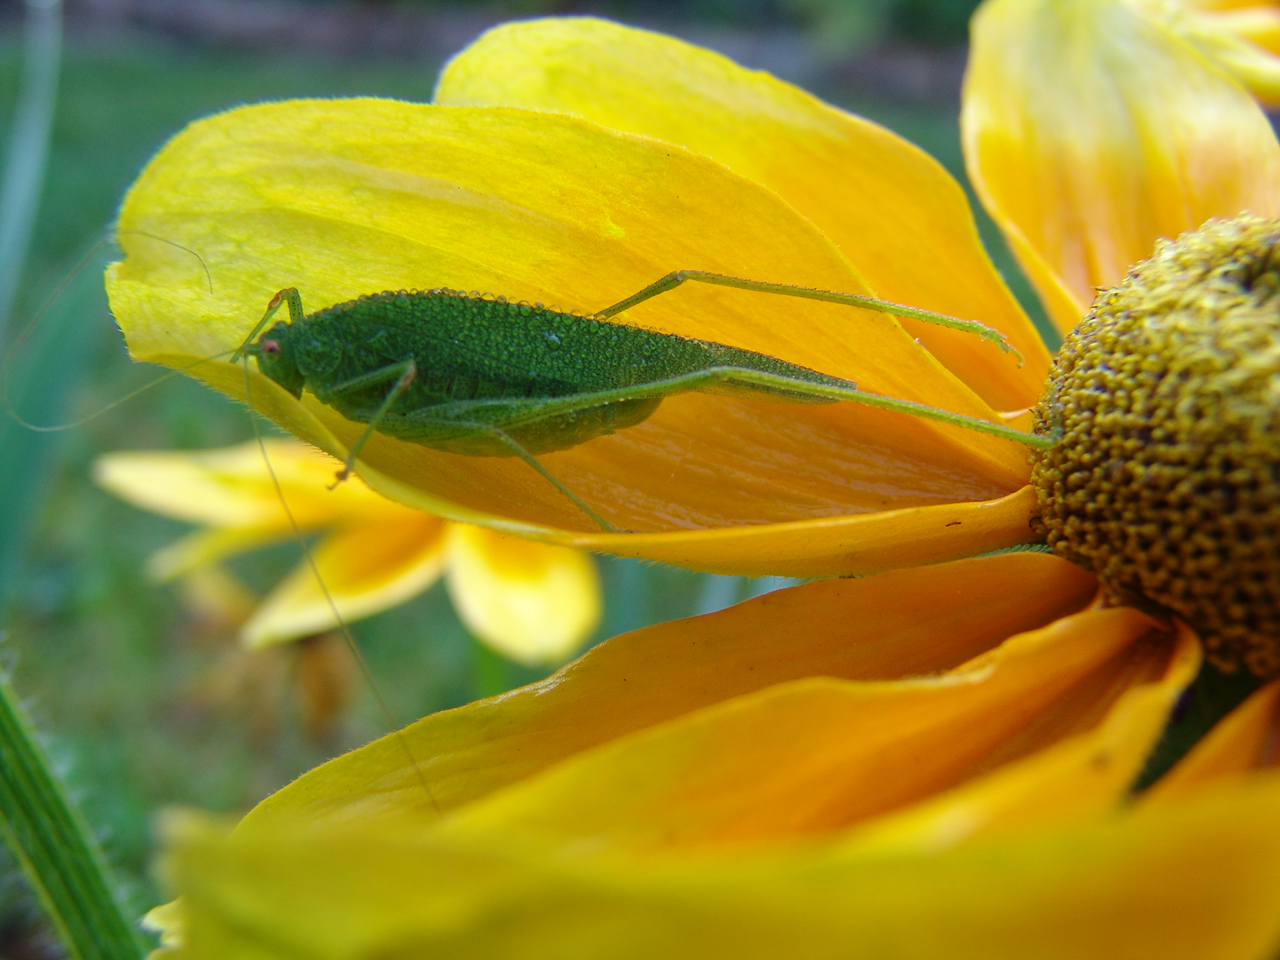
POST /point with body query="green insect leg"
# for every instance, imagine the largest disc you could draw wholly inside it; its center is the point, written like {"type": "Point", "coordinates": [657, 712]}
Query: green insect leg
{"type": "Point", "coordinates": [716, 375]}
{"type": "Point", "coordinates": [546, 474]}
{"type": "Point", "coordinates": [288, 295]}
{"type": "Point", "coordinates": [405, 373]}
{"type": "Point", "coordinates": [675, 279]}
{"type": "Point", "coordinates": [394, 727]}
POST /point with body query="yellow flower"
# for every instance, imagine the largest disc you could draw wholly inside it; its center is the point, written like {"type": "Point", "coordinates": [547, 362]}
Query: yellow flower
{"type": "Point", "coordinates": [923, 762]}
{"type": "Point", "coordinates": [534, 603]}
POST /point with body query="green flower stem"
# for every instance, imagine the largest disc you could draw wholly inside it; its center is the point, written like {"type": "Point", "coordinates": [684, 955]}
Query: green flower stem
{"type": "Point", "coordinates": [63, 864]}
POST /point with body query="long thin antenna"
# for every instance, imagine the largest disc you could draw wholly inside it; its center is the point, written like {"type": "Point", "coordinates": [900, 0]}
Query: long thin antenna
{"type": "Point", "coordinates": [42, 428]}
{"type": "Point", "coordinates": [387, 717]}
{"type": "Point", "coordinates": [11, 352]}
{"type": "Point", "coordinates": [204, 266]}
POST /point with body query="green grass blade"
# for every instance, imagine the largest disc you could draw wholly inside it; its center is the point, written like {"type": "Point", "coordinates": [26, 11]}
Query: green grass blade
{"type": "Point", "coordinates": [40, 377]}
{"type": "Point", "coordinates": [58, 855]}
{"type": "Point", "coordinates": [28, 144]}
{"type": "Point", "coordinates": [49, 839]}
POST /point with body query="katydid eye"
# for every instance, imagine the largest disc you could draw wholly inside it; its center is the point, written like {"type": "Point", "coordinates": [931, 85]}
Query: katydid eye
{"type": "Point", "coordinates": [270, 348]}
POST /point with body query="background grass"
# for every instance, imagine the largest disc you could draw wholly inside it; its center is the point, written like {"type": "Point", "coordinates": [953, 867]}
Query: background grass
{"type": "Point", "coordinates": [146, 707]}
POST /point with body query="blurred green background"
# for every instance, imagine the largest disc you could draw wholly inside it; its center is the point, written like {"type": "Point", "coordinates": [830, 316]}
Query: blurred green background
{"type": "Point", "coordinates": [143, 705]}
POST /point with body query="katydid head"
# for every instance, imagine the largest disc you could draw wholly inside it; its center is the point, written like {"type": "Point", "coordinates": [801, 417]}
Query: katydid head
{"type": "Point", "coordinates": [278, 359]}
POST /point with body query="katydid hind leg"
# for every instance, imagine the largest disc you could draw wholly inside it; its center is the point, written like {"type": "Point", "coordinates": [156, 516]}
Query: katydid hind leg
{"type": "Point", "coordinates": [713, 375]}
{"type": "Point", "coordinates": [514, 446]}
{"type": "Point", "coordinates": [693, 381]}
{"type": "Point", "coordinates": [679, 277]}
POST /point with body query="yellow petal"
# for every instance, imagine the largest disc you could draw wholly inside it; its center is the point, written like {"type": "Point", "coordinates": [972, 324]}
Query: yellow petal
{"type": "Point", "coordinates": [167, 920]}
{"type": "Point", "coordinates": [1257, 23]}
{"type": "Point", "coordinates": [904, 623]}
{"type": "Point", "coordinates": [1198, 879]}
{"type": "Point", "coordinates": [896, 214]}
{"type": "Point", "coordinates": [203, 547]}
{"type": "Point", "coordinates": [366, 568]}
{"type": "Point", "coordinates": [817, 755]}
{"type": "Point", "coordinates": [1091, 130]}
{"type": "Point", "coordinates": [532, 602]}
{"type": "Point", "coordinates": [348, 197]}
{"type": "Point", "coordinates": [1242, 38]}
{"type": "Point", "coordinates": [1242, 743]}
{"type": "Point", "coordinates": [231, 486]}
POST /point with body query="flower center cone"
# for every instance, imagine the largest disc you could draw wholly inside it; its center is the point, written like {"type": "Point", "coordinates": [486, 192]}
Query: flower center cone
{"type": "Point", "coordinates": [1165, 405]}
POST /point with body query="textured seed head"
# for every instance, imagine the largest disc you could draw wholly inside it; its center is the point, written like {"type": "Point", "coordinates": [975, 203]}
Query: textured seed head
{"type": "Point", "coordinates": [1165, 402]}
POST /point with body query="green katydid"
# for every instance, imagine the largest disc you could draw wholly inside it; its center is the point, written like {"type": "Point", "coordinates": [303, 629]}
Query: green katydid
{"type": "Point", "coordinates": [484, 376]}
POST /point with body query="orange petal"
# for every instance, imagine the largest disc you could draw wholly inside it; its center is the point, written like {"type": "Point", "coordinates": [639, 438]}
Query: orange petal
{"type": "Point", "coordinates": [903, 623]}
{"type": "Point", "coordinates": [348, 197]}
{"type": "Point", "coordinates": [839, 546]}
{"type": "Point", "coordinates": [366, 568]}
{"type": "Point", "coordinates": [1083, 773]}
{"type": "Point", "coordinates": [1199, 879]}
{"type": "Point", "coordinates": [1242, 743]}
{"type": "Point", "coordinates": [818, 755]}
{"type": "Point", "coordinates": [896, 214]}
{"type": "Point", "coordinates": [1091, 130]}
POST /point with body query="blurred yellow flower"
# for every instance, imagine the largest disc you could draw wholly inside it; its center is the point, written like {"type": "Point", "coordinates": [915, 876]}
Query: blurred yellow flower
{"type": "Point", "coordinates": [534, 603]}
{"type": "Point", "coordinates": [929, 761]}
